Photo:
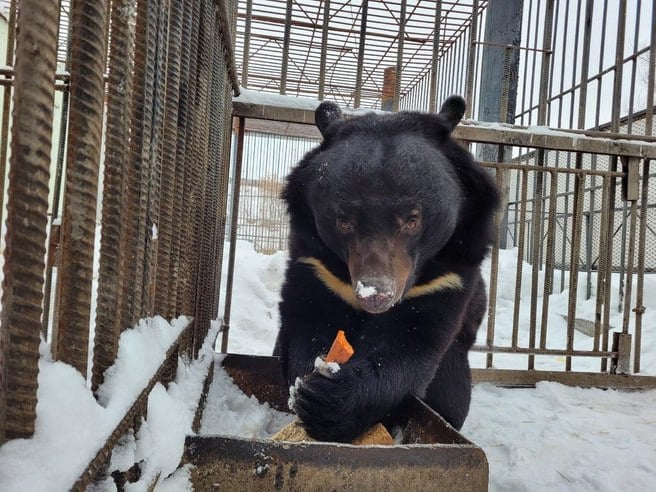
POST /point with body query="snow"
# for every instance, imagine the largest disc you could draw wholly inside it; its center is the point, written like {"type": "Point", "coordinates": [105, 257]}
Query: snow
{"type": "Point", "coordinates": [551, 437]}
{"type": "Point", "coordinates": [248, 96]}
{"type": "Point", "coordinates": [556, 437]}
{"type": "Point", "coordinates": [328, 369]}
{"type": "Point", "coordinates": [71, 426]}
{"type": "Point", "coordinates": [229, 412]}
{"type": "Point", "coordinates": [364, 291]}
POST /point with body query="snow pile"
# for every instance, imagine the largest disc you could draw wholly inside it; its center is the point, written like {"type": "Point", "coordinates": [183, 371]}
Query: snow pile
{"type": "Point", "coordinates": [247, 96]}
{"type": "Point", "coordinates": [71, 426]}
{"type": "Point", "coordinates": [229, 412]}
{"type": "Point", "coordinates": [256, 292]}
{"type": "Point", "coordinates": [555, 437]}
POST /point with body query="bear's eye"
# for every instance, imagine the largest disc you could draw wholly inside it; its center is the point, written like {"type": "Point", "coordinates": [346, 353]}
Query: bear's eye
{"type": "Point", "coordinates": [412, 222]}
{"type": "Point", "coordinates": [344, 225]}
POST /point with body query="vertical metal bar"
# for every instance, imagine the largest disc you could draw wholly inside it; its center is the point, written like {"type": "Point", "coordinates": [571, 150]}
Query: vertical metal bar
{"type": "Point", "coordinates": [71, 334]}
{"type": "Point", "coordinates": [213, 186]}
{"type": "Point", "coordinates": [178, 98]}
{"type": "Point", "coordinates": [399, 56]}
{"type": "Point", "coordinates": [536, 251]}
{"type": "Point", "coordinates": [471, 60]}
{"type": "Point", "coordinates": [151, 152]}
{"type": "Point", "coordinates": [56, 200]}
{"type": "Point", "coordinates": [432, 92]}
{"type": "Point", "coordinates": [579, 197]}
{"type": "Point", "coordinates": [625, 211]}
{"type": "Point", "coordinates": [285, 47]}
{"type": "Point", "coordinates": [549, 266]}
{"type": "Point", "coordinates": [478, 62]}
{"type": "Point", "coordinates": [361, 48]}
{"type": "Point", "coordinates": [651, 76]}
{"type": "Point", "coordinates": [505, 86]}
{"type": "Point", "coordinates": [644, 199]}
{"type": "Point", "coordinates": [561, 101]}
{"type": "Point", "coordinates": [494, 265]}
{"type": "Point", "coordinates": [520, 257]}
{"type": "Point", "coordinates": [642, 234]}
{"type": "Point", "coordinates": [210, 187]}
{"type": "Point", "coordinates": [615, 125]}
{"type": "Point", "coordinates": [324, 49]}
{"type": "Point", "coordinates": [201, 311]}
{"type": "Point", "coordinates": [189, 254]}
{"type": "Point", "coordinates": [558, 97]}
{"type": "Point", "coordinates": [223, 159]}
{"type": "Point", "coordinates": [526, 64]}
{"type": "Point", "coordinates": [234, 213]}
{"type": "Point", "coordinates": [113, 239]}
{"type": "Point", "coordinates": [6, 105]}
{"type": "Point", "coordinates": [602, 267]}
{"type": "Point", "coordinates": [131, 291]}
{"type": "Point", "coordinates": [27, 208]}
{"type": "Point", "coordinates": [633, 213]}
{"type": "Point", "coordinates": [167, 232]}
{"type": "Point", "coordinates": [138, 173]}
{"type": "Point", "coordinates": [539, 181]}
{"type": "Point", "coordinates": [583, 102]}
{"type": "Point", "coordinates": [180, 268]}
{"type": "Point", "coordinates": [546, 62]}
{"type": "Point", "coordinates": [150, 306]}
{"type": "Point", "coordinates": [602, 50]}
{"type": "Point", "coordinates": [247, 43]}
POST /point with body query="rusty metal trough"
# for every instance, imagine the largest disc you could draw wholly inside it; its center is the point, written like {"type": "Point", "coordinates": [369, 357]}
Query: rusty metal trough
{"type": "Point", "coordinates": [432, 456]}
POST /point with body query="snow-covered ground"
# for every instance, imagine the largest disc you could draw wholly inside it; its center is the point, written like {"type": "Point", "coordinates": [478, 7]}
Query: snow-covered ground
{"type": "Point", "coordinates": [552, 437]}
{"type": "Point", "coordinates": [71, 426]}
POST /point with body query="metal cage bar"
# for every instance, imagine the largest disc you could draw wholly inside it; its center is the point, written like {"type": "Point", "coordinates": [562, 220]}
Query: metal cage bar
{"type": "Point", "coordinates": [114, 237]}
{"type": "Point", "coordinates": [31, 139]}
{"type": "Point", "coordinates": [71, 333]}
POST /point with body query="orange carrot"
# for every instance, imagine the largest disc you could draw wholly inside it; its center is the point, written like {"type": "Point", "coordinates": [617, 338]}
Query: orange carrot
{"type": "Point", "coordinates": [340, 351]}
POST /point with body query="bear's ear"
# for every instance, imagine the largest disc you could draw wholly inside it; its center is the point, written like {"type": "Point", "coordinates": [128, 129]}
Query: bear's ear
{"type": "Point", "coordinates": [325, 115]}
{"type": "Point", "coordinates": [452, 111]}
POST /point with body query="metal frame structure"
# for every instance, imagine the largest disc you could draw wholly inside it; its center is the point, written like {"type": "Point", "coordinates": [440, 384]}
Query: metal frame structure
{"type": "Point", "coordinates": [577, 201]}
{"type": "Point", "coordinates": [619, 355]}
{"type": "Point", "coordinates": [140, 167]}
{"type": "Point", "coordinates": [340, 49]}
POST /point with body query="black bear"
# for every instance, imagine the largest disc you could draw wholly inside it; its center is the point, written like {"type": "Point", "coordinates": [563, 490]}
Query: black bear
{"type": "Point", "coordinates": [390, 219]}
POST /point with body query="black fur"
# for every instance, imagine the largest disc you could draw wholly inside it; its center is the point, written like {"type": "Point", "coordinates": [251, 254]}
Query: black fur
{"type": "Point", "coordinates": [357, 192]}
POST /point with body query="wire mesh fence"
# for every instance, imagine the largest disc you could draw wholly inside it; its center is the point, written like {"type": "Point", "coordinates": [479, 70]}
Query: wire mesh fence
{"type": "Point", "coordinates": [262, 214]}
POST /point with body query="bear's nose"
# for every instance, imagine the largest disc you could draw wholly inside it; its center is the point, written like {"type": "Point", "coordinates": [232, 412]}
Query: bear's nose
{"type": "Point", "coordinates": [375, 295]}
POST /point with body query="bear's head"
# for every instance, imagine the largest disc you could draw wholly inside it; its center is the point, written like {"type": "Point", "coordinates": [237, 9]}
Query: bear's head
{"type": "Point", "coordinates": [384, 194]}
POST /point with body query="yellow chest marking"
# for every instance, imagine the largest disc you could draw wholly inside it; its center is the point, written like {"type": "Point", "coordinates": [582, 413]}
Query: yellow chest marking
{"type": "Point", "coordinates": [345, 292]}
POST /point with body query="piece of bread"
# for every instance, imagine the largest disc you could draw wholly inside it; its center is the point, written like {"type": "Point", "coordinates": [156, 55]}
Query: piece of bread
{"type": "Point", "coordinates": [377, 434]}
{"type": "Point", "coordinates": [292, 432]}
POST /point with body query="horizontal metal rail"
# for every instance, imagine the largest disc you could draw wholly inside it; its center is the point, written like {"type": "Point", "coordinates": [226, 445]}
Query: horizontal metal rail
{"type": "Point", "coordinates": [514, 378]}
{"type": "Point", "coordinates": [542, 351]}
{"type": "Point", "coordinates": [469, 130]}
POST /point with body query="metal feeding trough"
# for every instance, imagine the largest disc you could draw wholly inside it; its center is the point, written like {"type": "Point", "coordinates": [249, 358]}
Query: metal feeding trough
{"type": "Point", "coordinates": [432, 456]}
